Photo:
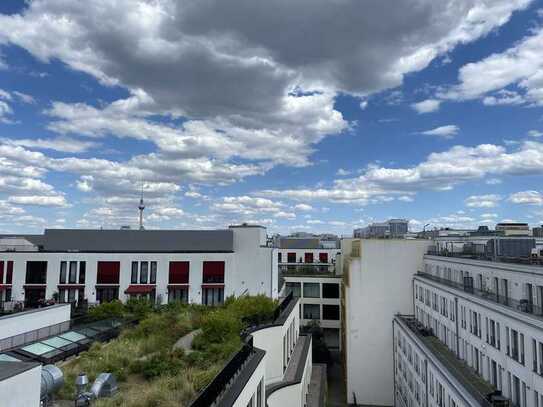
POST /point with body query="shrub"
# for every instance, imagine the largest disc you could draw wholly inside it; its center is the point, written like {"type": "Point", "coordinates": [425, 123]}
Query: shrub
{"type": "Point", "coordinates": [113, 309]}
{"type": "Point", "coordinates": [138, 307]}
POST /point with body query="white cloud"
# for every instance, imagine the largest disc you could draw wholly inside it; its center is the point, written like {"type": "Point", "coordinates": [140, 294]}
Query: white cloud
{"type": "Point", "coordinates": [342, 172]}
{"type": "Point", "coordinates": [440, 171]}
{"type": "Point", "coordinates": [520, 66]}
{"type": "Point", "coordinates": [23, 97]}
{"type": "Point", "coordinates": [489, 215]}
{"type": "Point", "coordinates": [535, 133]}
{"type": "Point", "coordinates": [493, 181]}
{"type": "Point", "coordinates": [427, 106]}
{"type": "Point", "coordinates": [248, 205]}
{"type": "Point", "coordinates": [63, 144]}
{"type": "Point", "coordinates": [39, 200]}
{"type": "Point", "coordinates": [446, 132]}
{"type": "Point", "coordinates": [303, 207]}
{"type": "Point", "coordinates": [363, 105]}
{"type": "Point", "coordinates": [483, 201]}
{"type": "Point", "coordinates": [527, 197]}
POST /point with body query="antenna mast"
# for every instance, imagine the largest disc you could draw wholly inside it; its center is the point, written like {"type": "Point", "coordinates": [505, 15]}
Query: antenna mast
{"type": "Point", "coordinates": [141, 207]}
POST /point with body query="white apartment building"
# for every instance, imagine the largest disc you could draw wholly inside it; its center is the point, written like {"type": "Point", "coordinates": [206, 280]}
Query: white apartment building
{"type": "Point", "coordinates": [307, 268]}
{"type": "Point", "coordinates": [377, 280]}
{"type": "Point", "coordinates": [197, 266]}
{"type": "Point", "coordinates": [489, 315]}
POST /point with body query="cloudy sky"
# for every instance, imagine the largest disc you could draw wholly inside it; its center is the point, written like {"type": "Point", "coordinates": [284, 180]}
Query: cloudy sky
{"type": "Point", "coordinates": [315, 115]}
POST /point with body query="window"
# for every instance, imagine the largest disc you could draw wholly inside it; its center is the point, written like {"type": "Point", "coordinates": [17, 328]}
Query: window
{"type": "Point", "coordinates": [330, 312]}
{"type": "Point", "coordinates": [311, 290]}
{"type": "Point", "coordinates": [73, 272]}
{"type": "Point", "coordinates": [134, 276]}
{"type": "Point", "coordinates": [213, 296]}
{"type": "Point", "coordinates": [152, 279]}
{"type": "Point", "coordinates": [179, 272]}
{"type": "Point", "coordinates": [293, 288]}
{"type": "Point", "coordinates": [213, 272]}
{"type": "Point", "coordinates": [323, 257]}
{"type": "Point", "coordinates": [63, 267]}
{"type": "Point", "coordinates": [312, 311]}
{"type": "Point", "coordinates": [9, 273]}
{"type": "Point", "coordinates": [82, 271]}
{"type": "Point", "coordinates": [36, 272]}
{"type": "Point", "coordinates": [308, 258]}
{"type": "Point", "coordinates": [330, 290]}
{"type": "Point", "coordinates": [108, 272]}
{"type": "Point", "coordinates": [291, 257]}
{"type": "Point", "coordinates": [144, 272]}
{"type": "Point", "coordinates": [178, 294]}
{"type": "Point", "coordinates": [279, 257]}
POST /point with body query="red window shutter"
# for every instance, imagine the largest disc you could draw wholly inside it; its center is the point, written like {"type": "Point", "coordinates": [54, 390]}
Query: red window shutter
{"type": "Point", "coordinates": [179, 272]}
{"type": "Point", "coordinates": [309, 257]}
{"type": "Point", "coordinates": [323, 257]}
{"type": "Point", "coordinates": [108, 272]}
{"type": "Point", "coordinates": [213, 272]}
{"type": "Point", "coordinates": [9, 273]}
{"type": "Point", "coordinates": [291, 257]}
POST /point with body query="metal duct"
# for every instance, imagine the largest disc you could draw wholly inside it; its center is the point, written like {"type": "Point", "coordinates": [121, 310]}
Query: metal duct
{"type": "Point", "coordinates": [105, 385]}
{"type": "Point", "coordinates": [52, 379]}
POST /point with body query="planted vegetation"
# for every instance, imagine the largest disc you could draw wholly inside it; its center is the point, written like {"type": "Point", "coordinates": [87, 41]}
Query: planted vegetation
{"type": "Point", "coordinates": [149, 371]}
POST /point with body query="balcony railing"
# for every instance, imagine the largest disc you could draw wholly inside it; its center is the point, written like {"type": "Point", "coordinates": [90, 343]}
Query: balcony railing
{"type": "Point", "coordinates": [523, 305]}
{"type": "Point", "coordinates": [225, 377]}
{"type": "Point", "coordinates": [533, 261]}
{"type": "Point", "coordinates": [307, 269]}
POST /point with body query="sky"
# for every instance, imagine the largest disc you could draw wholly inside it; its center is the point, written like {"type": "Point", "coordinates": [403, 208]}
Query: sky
{"type": "Point", "coordinates": [306, 115]}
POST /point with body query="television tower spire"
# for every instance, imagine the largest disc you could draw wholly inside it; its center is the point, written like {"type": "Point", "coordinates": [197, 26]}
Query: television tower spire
{"type": "Point", "coordinates": [141, 207]}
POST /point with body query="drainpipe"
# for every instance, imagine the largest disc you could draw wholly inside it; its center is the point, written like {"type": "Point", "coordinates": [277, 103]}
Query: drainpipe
{"type": "Point", "coordinates": [394, 360]}
{"type": "Point", "coordinates": [457, 330]}
{"type": "Point", "coordinates": [426, 381]}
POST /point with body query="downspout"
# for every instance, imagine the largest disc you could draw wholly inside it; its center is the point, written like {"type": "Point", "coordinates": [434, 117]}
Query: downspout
{"type": "Point", "coordinates": [457, 330]}
{"type": "Point", "coordinates": [426, 381]}
{"type": "Point", "coordinates": [394, 360]}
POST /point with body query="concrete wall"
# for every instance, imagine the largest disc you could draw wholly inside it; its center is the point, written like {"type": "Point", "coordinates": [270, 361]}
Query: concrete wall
{"type": "Point", "coordinates": [22, 322]}
{"type": "Point", "coordinates": [250, 389]}
{"type": "Point", "coordinates": [271, 340]}
{"type": "Point", "coordinates": [377, 287]}
{"type": "Point", "coordinates": [295, 394]}
{"type": "Point", "coordinates": [22, 390]}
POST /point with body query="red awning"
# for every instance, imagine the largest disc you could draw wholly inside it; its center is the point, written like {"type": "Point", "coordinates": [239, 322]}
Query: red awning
{"type": "Point", "coordinates": [140, 289]}
{"type": "Point", "coordinates": [34, 286]}
{"type": "Point", "coordinates": [4, 287]}
{"type": "Point", "coordinates": [212, 285]}
{"type": "Point", "coordinates": [172, 286]}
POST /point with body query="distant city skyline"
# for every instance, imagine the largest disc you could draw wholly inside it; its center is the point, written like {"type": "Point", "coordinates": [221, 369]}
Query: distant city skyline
{"type": "Point", "coordinates": [352, 115]}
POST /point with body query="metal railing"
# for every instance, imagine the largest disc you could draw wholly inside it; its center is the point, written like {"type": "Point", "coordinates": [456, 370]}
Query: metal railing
{"type": "Point", "coordinates": [532, 261]}
{"type": "Point", "coordinates": [307, 269]}
{"type": "Point", "coordinates": [214, 390]}
{"type": "Point", "coordinates": [523, 305]}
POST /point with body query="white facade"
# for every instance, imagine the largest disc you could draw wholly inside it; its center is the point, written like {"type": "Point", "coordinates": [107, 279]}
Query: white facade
{"type": "Point", "coordinates": [421, 378]}
{"type": "Point", "coordinates": [377, 279]}
{"type": "Point", "coordinates": [21, 390]}
{"type": "Point", "coordinates": [249, 269]}
{"type": "Point", "coordinates": [489, 314]}
{"type": "Point", "coordinates": [23, 327]}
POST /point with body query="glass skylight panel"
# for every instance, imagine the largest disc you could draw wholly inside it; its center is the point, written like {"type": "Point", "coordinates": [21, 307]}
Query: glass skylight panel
{"type": "Point", "coordinates": [57, 342]}
{"type": "Point", "coordinates": [38, 348]}
{"type": "Point", "coordinates": [73, 336]}
{"type": "Point", "coordinates": [8, 358]}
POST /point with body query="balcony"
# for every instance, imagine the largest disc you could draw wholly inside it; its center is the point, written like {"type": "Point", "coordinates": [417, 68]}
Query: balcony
{"type": "Point", "coordinates": [475, 385]}
{"type": "Point", "coordinates": [523, 305]}
{"type": "Point", "coordinates": [531, 261]}
{"type": "Point", "coordinates": [308, 269]}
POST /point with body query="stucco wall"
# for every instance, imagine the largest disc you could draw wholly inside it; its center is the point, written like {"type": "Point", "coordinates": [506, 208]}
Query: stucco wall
{"type": "Point", "coordinates": [23, 322]}
{"type": "Point", "coordinates": [22, 390]}
{"type": "Point", "coordinates": [380, 284]}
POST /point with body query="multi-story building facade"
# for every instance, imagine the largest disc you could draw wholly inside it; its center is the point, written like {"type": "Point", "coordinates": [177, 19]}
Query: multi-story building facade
{"type": "Point", "coordinates": [307, 268]}
{"type": "Point", "coordinates": [392, 228]}
{"type": "Point", "coordinates": [377, 276]}
{"type": "Point", "coordinates": [203, 266]}
{"type": "Point", "coordinates": [489, 316]}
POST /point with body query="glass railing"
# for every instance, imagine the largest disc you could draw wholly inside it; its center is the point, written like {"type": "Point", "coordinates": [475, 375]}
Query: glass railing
{"type": "Point", "coordinates": [308, 269]}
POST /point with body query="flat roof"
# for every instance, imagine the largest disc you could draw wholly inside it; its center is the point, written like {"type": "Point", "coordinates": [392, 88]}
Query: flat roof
{"type": "Point", "coordinates": [10, 369]}
{"type": "Point", "coordinates": [104, 241]}
{"type": "Point", "coordinates": [33, 310]}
